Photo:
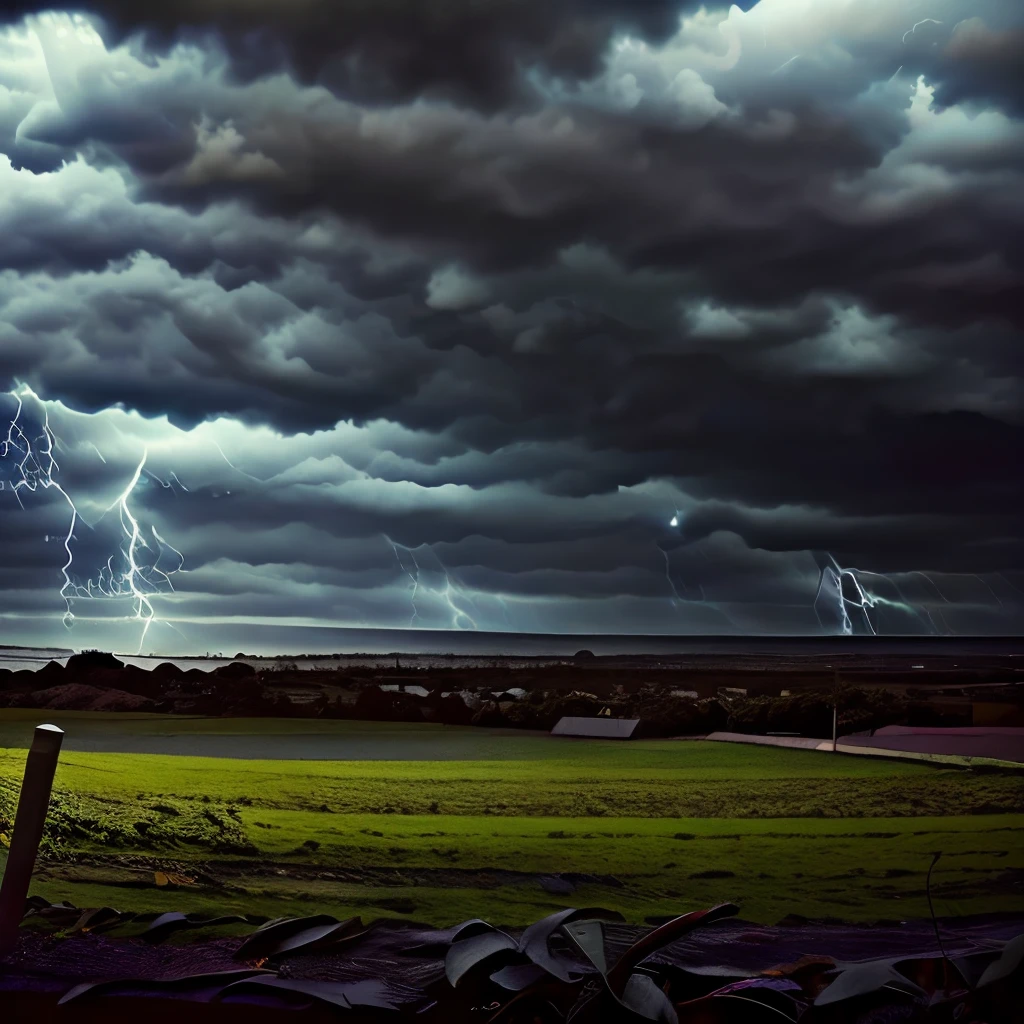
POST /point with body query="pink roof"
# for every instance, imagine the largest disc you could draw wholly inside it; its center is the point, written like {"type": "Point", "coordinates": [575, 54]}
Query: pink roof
{"type": "Point", "coordinates": [967, 730]}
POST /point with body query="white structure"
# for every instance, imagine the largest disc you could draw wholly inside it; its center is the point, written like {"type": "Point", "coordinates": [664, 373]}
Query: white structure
{"type": "Point", "coordinates": [416, 691]}
{"type": "Point", "coordinates": [599, 728]}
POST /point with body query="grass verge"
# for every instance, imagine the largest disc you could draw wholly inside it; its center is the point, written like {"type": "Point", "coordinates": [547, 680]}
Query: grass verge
{"type": "Point", "coordinates": [645, 828]}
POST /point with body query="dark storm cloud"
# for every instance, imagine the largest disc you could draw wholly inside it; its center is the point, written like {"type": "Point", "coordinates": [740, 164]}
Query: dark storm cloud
{"type": "Point", "coordinates": [392, 49]}
{"type": "Point", "coordinates": [759, 204]}
{"type": "Point", "coordinates": [477, 325]}
{"type": "Point", "coordinates": [983, 62]}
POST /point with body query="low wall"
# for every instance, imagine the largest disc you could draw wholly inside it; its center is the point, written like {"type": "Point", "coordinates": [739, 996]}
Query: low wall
{"type": "Point", "coordinates": [978, 749]}
{"type": "Point", "coordinates": [796, 742]}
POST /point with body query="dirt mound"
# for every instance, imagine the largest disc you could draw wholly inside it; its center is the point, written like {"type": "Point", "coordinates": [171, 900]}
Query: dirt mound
{"type": "Point", "coordinates": [91, 661]}
{"type": "Point", "coordinates": [80, 697]}
{"type": "Point", "coordinates": [236, 670]}
{"type": "Point", "coordinates": [166, 670]}
{"type": "Point", "coordinates": [51, 670]}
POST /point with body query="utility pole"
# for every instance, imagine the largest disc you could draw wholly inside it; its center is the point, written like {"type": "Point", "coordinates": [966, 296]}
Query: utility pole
{"type": "Point", "coordinates": [835, 708]}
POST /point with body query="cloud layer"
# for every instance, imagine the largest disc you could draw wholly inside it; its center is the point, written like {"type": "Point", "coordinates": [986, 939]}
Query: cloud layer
{"type": "Point", "coordinates": [439, 314]}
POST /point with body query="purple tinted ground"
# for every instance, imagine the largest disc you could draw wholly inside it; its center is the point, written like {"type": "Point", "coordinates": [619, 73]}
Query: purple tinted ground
{"type": "Point", "coordinates": [411, 955]}
{"type": "Point", "coordinates": [1005, 744]}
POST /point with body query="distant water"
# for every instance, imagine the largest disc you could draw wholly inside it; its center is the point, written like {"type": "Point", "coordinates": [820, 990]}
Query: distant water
{"type": "Point", "coordinates": [433, 647]}
{"type": "Point", "coordinates": [32, 658]}
{"type": "Point", "coordinates": [18, 658]}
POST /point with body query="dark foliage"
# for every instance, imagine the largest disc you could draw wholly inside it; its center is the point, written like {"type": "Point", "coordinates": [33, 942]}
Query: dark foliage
{"type": "Point", "coordinates": [375, 704]}
{"type": "Point", "coordinates": [810, 713]}
{"type": "Point", "coordinates": [569, 966]}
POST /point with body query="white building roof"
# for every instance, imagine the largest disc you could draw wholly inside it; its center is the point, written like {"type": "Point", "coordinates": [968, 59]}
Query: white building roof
{"type": "Point", "coordinates": [604, 728]}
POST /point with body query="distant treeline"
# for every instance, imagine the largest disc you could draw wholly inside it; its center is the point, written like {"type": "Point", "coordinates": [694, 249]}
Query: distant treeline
{"type": "Point", "coordinates": [493, 697]}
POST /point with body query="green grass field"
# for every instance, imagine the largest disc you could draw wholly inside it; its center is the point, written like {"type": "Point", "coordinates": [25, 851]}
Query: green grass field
{"type": "Point", "coordinates": [510, 826]}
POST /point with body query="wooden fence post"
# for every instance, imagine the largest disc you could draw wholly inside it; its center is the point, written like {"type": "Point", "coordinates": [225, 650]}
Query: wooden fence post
{"type": "Point", "coordinates": [28, 830]}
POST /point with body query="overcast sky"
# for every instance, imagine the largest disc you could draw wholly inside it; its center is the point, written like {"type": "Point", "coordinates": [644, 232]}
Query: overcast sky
{"type": "Point", "coordinates": [537, 315]}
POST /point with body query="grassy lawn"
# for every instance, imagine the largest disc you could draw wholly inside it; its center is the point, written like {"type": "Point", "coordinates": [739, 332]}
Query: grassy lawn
{"type": "Point", "coordinates": [510, 826]}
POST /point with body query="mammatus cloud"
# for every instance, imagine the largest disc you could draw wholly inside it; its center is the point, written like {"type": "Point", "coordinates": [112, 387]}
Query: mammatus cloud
{"type": "Point", "coordinates": [376, 338]}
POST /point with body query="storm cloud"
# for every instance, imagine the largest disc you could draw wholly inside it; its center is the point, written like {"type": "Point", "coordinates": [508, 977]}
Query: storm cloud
{"type": "Point", "coordinates": [443, 315]}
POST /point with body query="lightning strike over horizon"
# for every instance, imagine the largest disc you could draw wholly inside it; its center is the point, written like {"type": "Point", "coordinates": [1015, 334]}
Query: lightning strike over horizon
{"type": "Point", "coordinates": [414, 576]}
{"type": "Point", "coordinates": [35, 468]}
{"type": "Point", "coordinates": [844, 587]}
{"type": "Point", "coordinates": [457, 612]}
{"type": "Point", "coordinates": [674, 524]}
{"type": "Point", "coordinates": [683, 597]}
{"type": "Point", "coordinates": [668, 576]}
{"type": "Point", "coordinates": [500, 598]}
{"type": "Point", "coordinates": [446, 593]}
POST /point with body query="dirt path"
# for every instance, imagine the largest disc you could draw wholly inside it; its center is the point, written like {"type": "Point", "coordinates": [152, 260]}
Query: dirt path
{"type": "Point", "coordinates": [268, 739]}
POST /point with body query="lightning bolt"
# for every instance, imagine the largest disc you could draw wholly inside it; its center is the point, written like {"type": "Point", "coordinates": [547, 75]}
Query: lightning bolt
{"type": "Point", "coordinates": [831, 580]}
{"type": "Point", "coordinates": [168, 484]}
{"type": "Point", "coordinates": [677, 597]}
{"type": "Point", "coordinates": [668, 575]}
{"type": "Point", "coordinates": [89, 444]}
{"type": "Point", "coordinates": [787, 63]}
{"type": "Point", "coordinates": [447, 594]}
{"type": "Point", "coordinates": [863, 599]}
{"type": "Point", "coordinates": [855, 594]}
{"type": "Point", "coordinates": [935, 587]}
{"type": "Point", "coordinates": [675, 522]}
{"type": "Point", "coordinates": [35, 468]}
{"type": "Point", "coordinates": [256, 479]}
{"type": "Point", "coordinates": [1009, 584]}
{"type": "Point", "coordinates": [414, 576]}
{"type": "Point", "coordinates": [500, 598]}
{"type": "Point", "coordinates": [142, 576]}
{"type": "Point", "coordinates": [992, 590]}
{"type": "Point", "coordinates": [923, 21]}
{"type": "Point", "coordinates": [143, 608]}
